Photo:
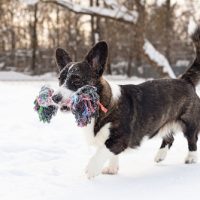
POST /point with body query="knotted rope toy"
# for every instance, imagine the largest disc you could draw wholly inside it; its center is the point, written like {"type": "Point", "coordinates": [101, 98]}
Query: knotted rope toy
{"type": "Point", "coordinates": [44, 105]}
{"type": "Point", "coordinates": [84, 104]}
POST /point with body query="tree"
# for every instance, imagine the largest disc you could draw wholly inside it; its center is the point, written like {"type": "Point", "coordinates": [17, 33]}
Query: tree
{"type": "Point", "coordinates": [116, 13]}
{"type": "Point", "coordinates": [34, 38]}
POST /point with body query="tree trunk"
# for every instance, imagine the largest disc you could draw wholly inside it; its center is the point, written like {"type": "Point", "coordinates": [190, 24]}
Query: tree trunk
{"type": "Point", "coordinates": [108, 67]}
{"type": "Point", "coordinates": [106, 32]}
{"type": "Point", "coordinates": [95, 25]}
{"type": "Point", "coordinates": [136, 42]}
{"type": "Point", "coordinates": [13, 42]}
{"type": "Point", "coordinates": [168, 29]}
{"type": "Point", "coordinates": [57, 29]}
{"type": "Point", "coordinates": [130, 61]}
{"type": "Point", "coordinates": [98, 27]}
{"type": "Point", "coordinates": [139, 33]}
{"type": "Point", "coordinates": [34, 40]}
{"type": "Point", "coordinates": [92, 26]}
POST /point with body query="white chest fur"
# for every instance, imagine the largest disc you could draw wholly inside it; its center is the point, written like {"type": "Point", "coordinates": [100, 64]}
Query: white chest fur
{"type": "Point", "coordinates": [104, 133]}
{"type": "Point", "coordinates": [98, 139]}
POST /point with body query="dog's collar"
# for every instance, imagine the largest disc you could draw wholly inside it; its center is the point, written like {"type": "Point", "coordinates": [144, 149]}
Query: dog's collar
{"type": "Point", "coordinates": [102, 107]}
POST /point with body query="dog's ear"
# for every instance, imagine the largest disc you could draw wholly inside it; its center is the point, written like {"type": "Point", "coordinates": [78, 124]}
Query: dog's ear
{"type": "Point", "coordinates": [97, 57]}
{"type": "Point", "coordinates": [62, 58]}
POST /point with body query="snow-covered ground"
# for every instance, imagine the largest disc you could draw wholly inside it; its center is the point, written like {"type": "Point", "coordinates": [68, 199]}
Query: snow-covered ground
{"type": "Point", "coordinates": [47, 161]}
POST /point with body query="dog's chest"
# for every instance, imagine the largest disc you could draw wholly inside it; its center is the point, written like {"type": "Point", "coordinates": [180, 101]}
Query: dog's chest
{"type": "Point", "coordinates": [101, 136]}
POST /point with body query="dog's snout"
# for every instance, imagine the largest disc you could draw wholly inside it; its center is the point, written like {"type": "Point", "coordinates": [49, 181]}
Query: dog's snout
{"type": "Point", "coordinates": [57, 98]}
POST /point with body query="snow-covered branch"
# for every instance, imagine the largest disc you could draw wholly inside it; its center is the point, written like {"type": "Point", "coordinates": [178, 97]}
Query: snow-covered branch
{"type": "Point", "coordinates": [158, 58]}
{"type": "Point", "coordinates": [114, 4]}
{"type": "Point", "coordinates": [117, 12]}
{"type": "Point", "coordinates": [29, 2]}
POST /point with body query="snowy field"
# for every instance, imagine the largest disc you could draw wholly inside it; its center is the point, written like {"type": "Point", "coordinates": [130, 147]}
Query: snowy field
{"type": "Point", "coordinates": [47, 161]}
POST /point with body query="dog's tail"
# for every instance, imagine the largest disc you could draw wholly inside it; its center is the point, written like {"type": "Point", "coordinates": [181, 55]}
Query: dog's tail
{"type": "Point", "coordinates": [192, 75]}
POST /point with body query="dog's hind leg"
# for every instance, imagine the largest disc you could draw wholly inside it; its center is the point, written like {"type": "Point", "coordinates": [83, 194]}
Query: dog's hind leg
{"type": "Point", "coordinates": [113, 166]}
{"type": "Point", "coordinates": [191, 135]}
{"type": "Point", "coordinates": [165, 146]}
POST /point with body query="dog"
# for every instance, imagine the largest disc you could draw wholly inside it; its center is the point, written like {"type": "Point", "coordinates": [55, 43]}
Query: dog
{"type": "Point", "coordinates": [157, 107]}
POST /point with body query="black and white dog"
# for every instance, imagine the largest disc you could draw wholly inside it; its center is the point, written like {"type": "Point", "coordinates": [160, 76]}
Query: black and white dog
{"type": "Point", "coordinates": [134, 111]}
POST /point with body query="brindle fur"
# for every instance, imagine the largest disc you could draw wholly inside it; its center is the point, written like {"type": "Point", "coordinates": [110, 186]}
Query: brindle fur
{"type": "Point", "coordinates": [141, 110]}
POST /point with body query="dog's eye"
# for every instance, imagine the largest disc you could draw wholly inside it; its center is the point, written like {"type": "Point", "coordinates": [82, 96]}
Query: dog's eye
{"type": "Point", "coordinates": [75, 77]}
{"type": "Point", "coordinates": [76, 80]}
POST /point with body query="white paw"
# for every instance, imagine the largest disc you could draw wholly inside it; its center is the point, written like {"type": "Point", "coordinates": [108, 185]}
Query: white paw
{"type": "Point", "coordinates": [92, 170]}
{"type": "Point", "coordinates": [111, 170]}
{"type": "Point", "coordinates": [191, 158]}
{"type": "Point", "coordinates": [97, 162]}
{"type": "Point", "coordinates": [161, 155]}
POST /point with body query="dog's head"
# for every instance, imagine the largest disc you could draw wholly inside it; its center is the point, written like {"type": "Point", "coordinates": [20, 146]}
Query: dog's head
{"type": "Point", "coordinates": [74, 75]}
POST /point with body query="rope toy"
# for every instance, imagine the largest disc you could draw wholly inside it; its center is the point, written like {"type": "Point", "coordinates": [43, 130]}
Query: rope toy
{"type": "Point", "coordinates": [44, 105]}
{"type": "Point", "coordinates": [84, 105]}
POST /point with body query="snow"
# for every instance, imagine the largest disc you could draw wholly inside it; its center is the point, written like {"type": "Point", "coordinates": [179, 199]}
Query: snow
{"type": "Point", "coordinates": [182, 63]}
{"type": "Point", "coordinates": [10, 75]}
{"type": "Point", "coordinates": [158, 58]}
{"type": "Point", "coordinates": [120, 8]}
{"type": "Point", "coordinates": [29, 2]}
{"type": "Point", "coordinates": [47, 161]}
{"type": "Point", "coordinates": [17, 76]}
{"type": "Point", "coordinates": [191, 26]}
{"type": "Point", "coordinates": [117, 12]}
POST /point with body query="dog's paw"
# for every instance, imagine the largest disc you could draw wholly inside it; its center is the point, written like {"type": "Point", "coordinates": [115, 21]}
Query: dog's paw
{"type": "Point", "coordinates": [191, 158]}
{"type": "Point", "coordinates": [161, 155]}
{"type": "Point", "coordinates": [92, 170]}
{"type": "Point", "coordinates": [111, 170]}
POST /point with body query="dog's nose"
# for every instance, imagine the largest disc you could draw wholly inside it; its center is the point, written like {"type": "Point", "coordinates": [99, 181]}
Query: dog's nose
{"type": "Point", "coordinates": [57, 98]}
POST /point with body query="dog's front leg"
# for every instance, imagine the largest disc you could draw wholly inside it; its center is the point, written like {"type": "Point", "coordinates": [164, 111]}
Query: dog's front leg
{"type": "Point", "coordinates": [97, 162]}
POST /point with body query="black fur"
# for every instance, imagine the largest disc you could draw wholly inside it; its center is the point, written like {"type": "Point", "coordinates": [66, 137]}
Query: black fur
{"type": "Point", "coordinates": [97, 57]}
{"type": "Point", "coordinates": [86, 72]}
{"type": "Point", "coordinates": [142, 110]}
{"type": "Point", "coordinates": [62, 58]}
{"type": "Point", "coordinates": [168, 140]}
